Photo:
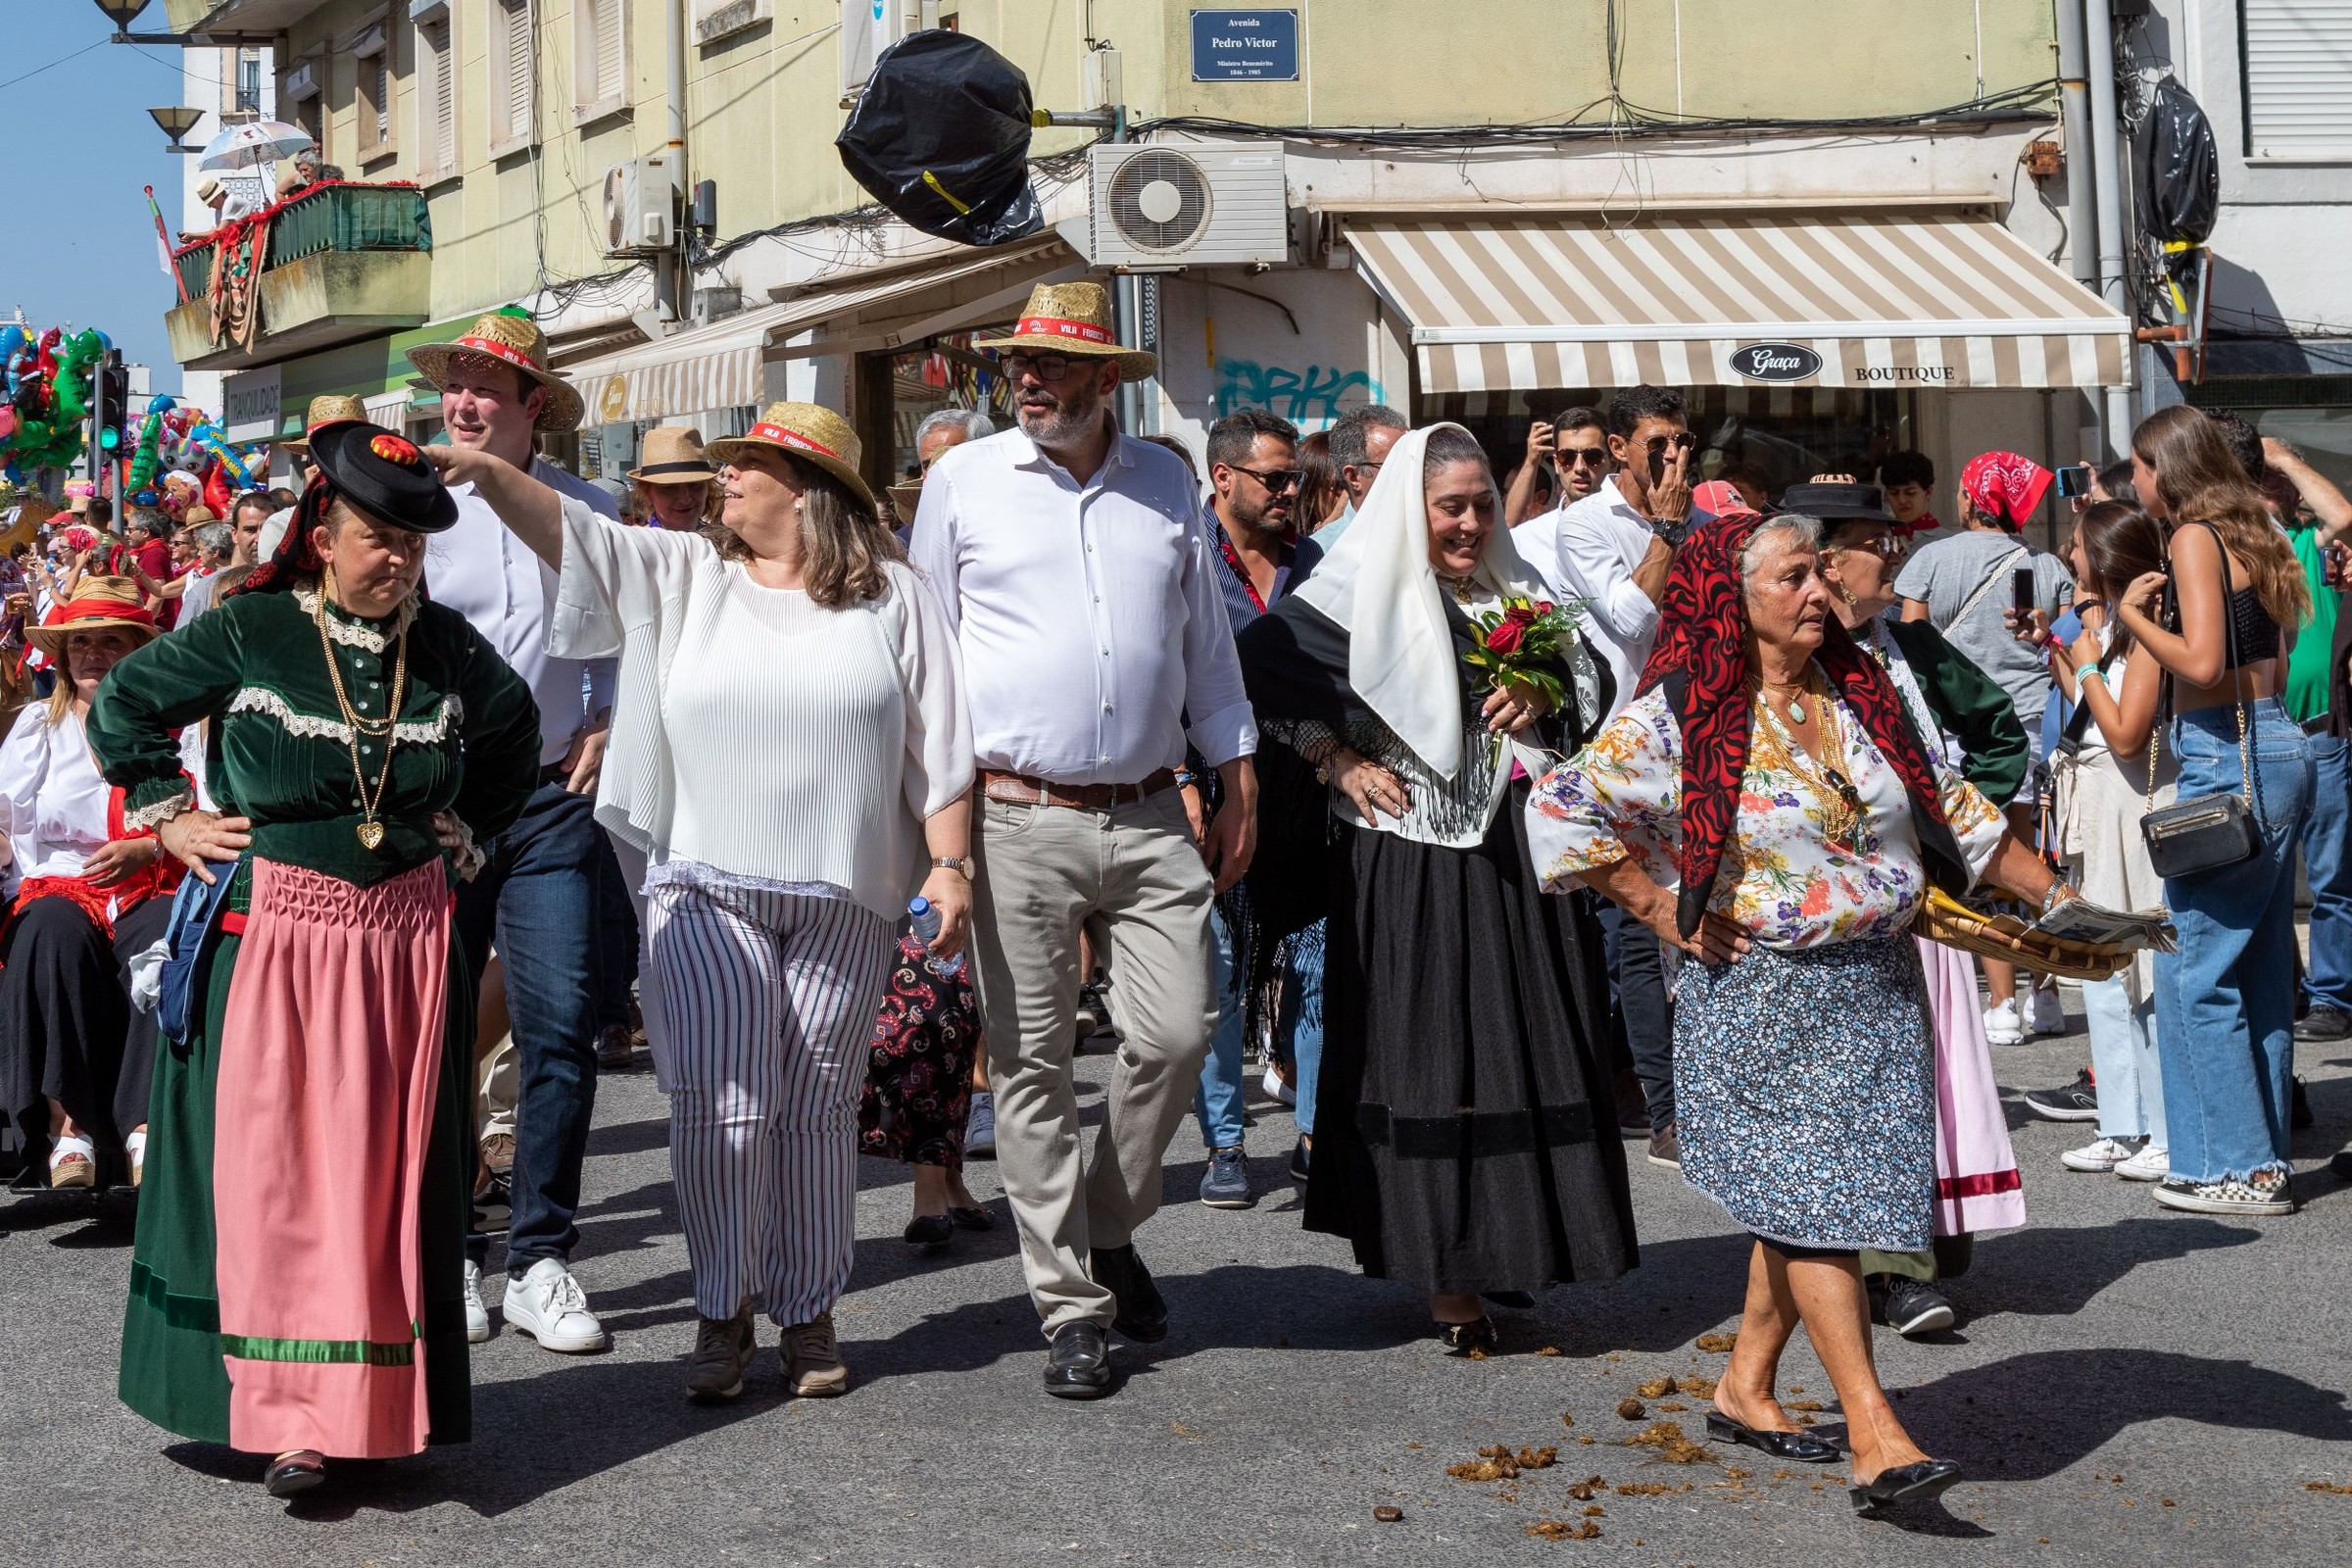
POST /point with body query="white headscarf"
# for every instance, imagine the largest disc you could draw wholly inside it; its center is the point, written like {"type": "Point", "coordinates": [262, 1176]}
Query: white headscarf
{"type": "Point", "coordinates": [1377, 583]}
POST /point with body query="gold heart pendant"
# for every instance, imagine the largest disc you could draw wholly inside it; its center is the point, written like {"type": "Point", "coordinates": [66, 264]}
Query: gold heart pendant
{"type": "Point", "coordinates": [371, 834]}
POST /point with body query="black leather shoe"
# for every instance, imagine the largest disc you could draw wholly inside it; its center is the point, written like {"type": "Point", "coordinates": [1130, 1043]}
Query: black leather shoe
{"type": "Point", "coordinates": [292, 1475]}
{"type": "Point", "coordinates": [1516, 1301]}
{"type": "Point", "coordinates": [1460, 1339]}
{"type": "Point", "coordinates": [1078, 1366]}
{"type": "Point", "coordinates": [1905, 1482]}
{"type": "Point", "coordinates": [1796, 1448]}
{"type": "Point", "coordinates": [1141, 1314]}
{"type": "Point", "coordinates": [930, 1232]}
{"type": "Point", "coordinates": [972, 1219]}
{"type": "Point", "coordinates": [2325, 1021]}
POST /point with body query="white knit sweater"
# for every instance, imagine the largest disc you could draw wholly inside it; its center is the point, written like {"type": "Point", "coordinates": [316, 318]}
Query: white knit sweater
{"type": "Point", "coordinates": [756, 732]}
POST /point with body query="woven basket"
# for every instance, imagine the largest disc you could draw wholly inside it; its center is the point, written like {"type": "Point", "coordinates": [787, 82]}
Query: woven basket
{"type": "Point", "coordinates": [1945, 920]}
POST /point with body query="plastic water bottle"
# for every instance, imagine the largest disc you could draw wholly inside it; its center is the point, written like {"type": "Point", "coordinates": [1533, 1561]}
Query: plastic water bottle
{"type": "Point", "coordinates": [926, 931]}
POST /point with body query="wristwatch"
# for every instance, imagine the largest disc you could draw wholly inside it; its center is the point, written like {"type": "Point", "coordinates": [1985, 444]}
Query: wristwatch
{"type": "Point", "coordinates": [948, 862]}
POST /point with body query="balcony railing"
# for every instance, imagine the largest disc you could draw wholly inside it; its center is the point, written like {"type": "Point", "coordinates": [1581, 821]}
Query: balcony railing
{"type": "Point", "coordinates": [339, 217]}
{"type": "Point", "coordinates": [339, 260]}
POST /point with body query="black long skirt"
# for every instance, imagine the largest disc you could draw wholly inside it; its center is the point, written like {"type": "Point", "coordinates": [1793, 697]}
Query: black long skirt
{"type": "Point", "coordinates": [68, 1031]}
{"type": "Point", "coordinates": [1462, 1140]}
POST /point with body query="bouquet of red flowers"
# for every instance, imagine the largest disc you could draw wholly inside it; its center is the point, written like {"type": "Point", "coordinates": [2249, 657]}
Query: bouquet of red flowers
{"type": "Point", "coordinates": [1519, 644]}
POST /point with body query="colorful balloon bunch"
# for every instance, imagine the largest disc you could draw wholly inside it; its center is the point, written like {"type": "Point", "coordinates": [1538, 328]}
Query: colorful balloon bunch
{"type": "Point", "coordinates": [49, 382]}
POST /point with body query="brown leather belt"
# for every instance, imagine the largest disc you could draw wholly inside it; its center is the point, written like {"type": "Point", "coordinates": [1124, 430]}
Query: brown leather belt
{"type": "Point", "coordinates": [1019, 789]}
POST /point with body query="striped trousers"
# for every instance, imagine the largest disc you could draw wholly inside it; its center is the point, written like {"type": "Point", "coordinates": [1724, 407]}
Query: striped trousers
{"type": "Point", "coordinates": [767, 1002]}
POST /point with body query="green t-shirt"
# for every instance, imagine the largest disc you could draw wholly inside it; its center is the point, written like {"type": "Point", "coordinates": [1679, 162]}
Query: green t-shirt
{"type": "Point", "coordinates": [2307, 663]}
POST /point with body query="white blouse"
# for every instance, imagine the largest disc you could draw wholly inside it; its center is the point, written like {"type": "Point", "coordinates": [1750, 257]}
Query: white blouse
{"type": "Point", "coordinates": [51, 795]}
{"type": "Point", "coordinates": [755, 732]}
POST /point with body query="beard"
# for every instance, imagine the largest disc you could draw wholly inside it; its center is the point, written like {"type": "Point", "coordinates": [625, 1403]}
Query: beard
{"type": "Point", "coordinates": [1071, 419]}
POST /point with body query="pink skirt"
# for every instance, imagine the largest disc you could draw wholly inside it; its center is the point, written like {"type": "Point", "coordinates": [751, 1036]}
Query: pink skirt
{"type": "Point", "coordinates": [1977, 1183]}
{"type": "Point", "coordinates": [329, 1066]}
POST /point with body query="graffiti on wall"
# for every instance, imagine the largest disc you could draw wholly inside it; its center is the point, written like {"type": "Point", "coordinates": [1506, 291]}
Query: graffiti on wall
{"type": "Point", "coordinates": [1309, 397]}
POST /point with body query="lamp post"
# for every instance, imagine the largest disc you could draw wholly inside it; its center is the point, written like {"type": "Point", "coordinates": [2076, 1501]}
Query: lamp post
{"type": "Point", "coordinates": [123, 13]}
{"type": "Point", "coordinates": [177, 121]}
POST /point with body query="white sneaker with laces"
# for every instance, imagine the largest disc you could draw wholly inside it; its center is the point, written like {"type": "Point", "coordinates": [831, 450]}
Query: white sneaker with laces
{"type": "Point", "coordinates": [2002, 1024]}
{"type": "Point", "coordinates": [2150, 1164]}
{"type": "Point", "coordinates": [2049, 1012]}
{"type": "Point", "coordinates": [477, 1315]}
{"type": "Point", "coordinates": [548, 1305]}
{"type": "Point", "coordinates": [980, 1127]}
{"type": "Point", "coordinates": [2099, 1154]}
{"type": "Point", "coordinates": [1276, 1089]}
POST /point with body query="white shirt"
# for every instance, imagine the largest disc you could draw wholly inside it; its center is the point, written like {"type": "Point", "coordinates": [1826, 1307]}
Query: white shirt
{"type": "Point", "coordinates": [1092, 629]}
{"type": "Point", "coordinates": [1601, 541]}
{"type": "Point", "coordinates": [486, 574]}
{"type": "Point", "coordinates": [199, 597]}
{"type": "Point", "coordinates": [51, 797]}
{"type": "Point", "coordinates": [758, 733]}
{"type": "Point", "coordinates": [1538, 543]}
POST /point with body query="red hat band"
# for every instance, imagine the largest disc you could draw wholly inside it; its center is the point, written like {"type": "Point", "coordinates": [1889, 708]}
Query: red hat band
{"type": "Point", "coordinates": [1062, 326]}
{"type": "Point", "coordinates": [66, 614]}
{"type": "Point", "coordinates": [791, 438]}
{"type": "Point", "coordinates": [499, 351]}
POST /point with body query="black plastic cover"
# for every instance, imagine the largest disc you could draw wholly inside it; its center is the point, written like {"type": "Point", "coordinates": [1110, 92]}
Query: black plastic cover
{"type": "Point", "coordinates": [2184, 177]}
{"type": "Point", "coordinates": [941, 138]}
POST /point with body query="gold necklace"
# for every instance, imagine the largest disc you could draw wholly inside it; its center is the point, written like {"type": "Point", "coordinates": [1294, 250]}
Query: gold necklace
{"type": "Point", "coordinates": [1463, 589]}
{"type": "Point", "coordinates": [1842, 809]}
{"type": "Point", "coordinates": [1796, 702]}
{"type": "Point", "coordinates": [371, 831]}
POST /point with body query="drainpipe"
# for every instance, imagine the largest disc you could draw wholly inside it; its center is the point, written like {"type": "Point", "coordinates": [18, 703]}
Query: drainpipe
{"type": "Point", "coordinates": [673, 276]}
{"type": "Point", "coordinates": [2100, 40]}
{"type": "Point", "coordinates": [2073, 100]}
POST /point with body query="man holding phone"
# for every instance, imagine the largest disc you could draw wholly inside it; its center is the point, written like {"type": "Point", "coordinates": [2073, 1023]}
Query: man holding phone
{"type": "Point", "coordinates": [1578, 441]}
{"type": "Point", "coordinates": [1982, 587]}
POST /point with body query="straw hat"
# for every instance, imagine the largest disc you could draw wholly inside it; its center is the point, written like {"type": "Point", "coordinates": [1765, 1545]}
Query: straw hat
{"type": "Point", "coordinates": [511, 340]}
{"type": "Point", "coordinates": [807, 431]}
{"type": "Point", "coordinates": [672, 455]}
{"type": "Point", "coordinates": [197, 515]}
{"type": "Point", "coordinates": [1072, 318]}
{"type": "Point", "coordinates": [206, 189]}
{"type": "Point", "coordinates": [333, 409]}
{"type": "Point", "coordinates": [99, 604]}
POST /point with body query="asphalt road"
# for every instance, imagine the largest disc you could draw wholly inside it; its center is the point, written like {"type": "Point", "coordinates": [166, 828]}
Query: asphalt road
{"type": "Point", "coordinates": [2126, 1385]}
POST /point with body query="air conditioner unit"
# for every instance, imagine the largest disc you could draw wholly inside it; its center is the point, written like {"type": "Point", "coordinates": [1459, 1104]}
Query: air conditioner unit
{"type": "Point", "coordinates": [1189, 206]}
{"type": "Point", "coordinates": [641, 206]}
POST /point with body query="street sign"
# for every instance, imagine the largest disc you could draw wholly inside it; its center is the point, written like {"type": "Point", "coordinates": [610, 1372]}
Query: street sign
{"type": "Point", "coordinates": [1246, 45]}
{"type": "Point", "coordinates": [251, 404]}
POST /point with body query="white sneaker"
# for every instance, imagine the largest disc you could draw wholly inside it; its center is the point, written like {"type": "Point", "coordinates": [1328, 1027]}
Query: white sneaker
{"type": "Point", "coordinates": [548, 1305]}
{"type": "Point", "coordinates": [980, 1127]}
{"type": "Point", "coordinates": [2049, 1012]}
{"type": "Point", "coordinates": [2002, 1025]}
{"type": "Point", "coordinates": [2150, 1164]}
{"type": "Point", "coordinates": [2099, 1154]}
{"type": "Point", "coordinates": [477, 1315]}
{"type": "Point", "coordinates": [1276, 1089]}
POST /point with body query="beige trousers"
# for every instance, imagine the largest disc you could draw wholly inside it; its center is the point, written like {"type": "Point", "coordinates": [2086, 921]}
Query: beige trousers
{"type": "Point", "coordinates": [1132, 879]}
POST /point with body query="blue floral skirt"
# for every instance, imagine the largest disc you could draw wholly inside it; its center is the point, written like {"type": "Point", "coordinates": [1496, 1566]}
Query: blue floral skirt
{"type": "Point", "coordinates": [1804, 1087]}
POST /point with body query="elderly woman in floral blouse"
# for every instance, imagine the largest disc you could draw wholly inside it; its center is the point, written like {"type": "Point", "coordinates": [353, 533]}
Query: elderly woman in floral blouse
{"type": "Point", "coordinates": [1768, 807]}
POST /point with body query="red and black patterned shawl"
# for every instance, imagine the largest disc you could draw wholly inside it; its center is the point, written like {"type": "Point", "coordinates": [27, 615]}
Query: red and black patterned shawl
{"type": "Point", "coordinates": [1701, 658]}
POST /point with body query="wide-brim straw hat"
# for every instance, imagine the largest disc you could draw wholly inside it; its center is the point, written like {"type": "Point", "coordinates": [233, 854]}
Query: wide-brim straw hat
{"type": "Point", "coordinates": [511, 340]}
{"type": "Point", "coordinates": [99, 604]}
{"type": "Point", "coordinates": [808, 432]}
{"type": "Point", "coordinates": [672, 455]}
{"type": "Point", "coordinates": [336, 407]}
{"type": "Point", "coordinates": [1072, 318]}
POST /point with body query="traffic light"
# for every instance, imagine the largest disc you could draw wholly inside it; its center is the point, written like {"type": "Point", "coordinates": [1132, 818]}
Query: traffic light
{"type": "Point", "coordinates": [109, 401]}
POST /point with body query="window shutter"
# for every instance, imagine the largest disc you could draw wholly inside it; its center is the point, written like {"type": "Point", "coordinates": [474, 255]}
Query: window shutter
{"type": "Point", "coordinates": [518, 68]}
{"type": "Point", "coordinates": [2298, 64]}
{"type": "Point", "coordinates": [444, 77]}
{"type": "Point", "coordinates": [608, 50]}
{"type": "Point", "coordinates": [379, 72]}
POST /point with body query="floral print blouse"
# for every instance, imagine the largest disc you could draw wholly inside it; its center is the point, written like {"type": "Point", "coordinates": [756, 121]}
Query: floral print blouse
{"type": "Point", "coordinates": [1782, 880]}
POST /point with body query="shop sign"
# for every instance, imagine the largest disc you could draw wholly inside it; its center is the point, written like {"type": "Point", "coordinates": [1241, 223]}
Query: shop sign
{"type": "Point", "coordinates": [1245, 46]}
{"type": "Point", "coordinates": [1775, 362]}
{"type": "Point", "coordinates": [250, 404]}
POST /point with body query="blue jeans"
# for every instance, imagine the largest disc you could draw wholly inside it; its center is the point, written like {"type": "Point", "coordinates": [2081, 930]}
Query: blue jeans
{"type": "Point", "coordinates": [1637, 987]}
{"type": "Point", "coordinates": [2124, 1058]}
{"type": "Point", "coordinates": [537, 895]}
{"type": "Point", "coordinates": [2327, 867]}
{"type": "Point", "coordinates": [1219, 1103]}
{"type": "Point", "coordinates": [2225, 1000]}
{"type": "Point", "coordinates": [1299, 1031]}
{"type": "Point", "coordinates": [616, 940]}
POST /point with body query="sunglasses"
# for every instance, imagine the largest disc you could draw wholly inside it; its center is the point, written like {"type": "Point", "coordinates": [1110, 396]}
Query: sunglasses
{"type": "Point", "coordinates": [1682, 441]}
{"type": "Point", "coordinates": [1045, 367]}
{"type": "Point", "coordinates": [1584, 457]}
{"type": "Point", "coordinates": [1276, 480]}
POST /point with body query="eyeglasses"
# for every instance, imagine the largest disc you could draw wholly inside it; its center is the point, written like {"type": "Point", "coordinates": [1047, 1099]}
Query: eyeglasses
{"type": "Point", "coordinates": [1045, 367]}
{"type": "Point", "coordinates": [1276, 480]}
{"type": "Point", "coordinates": [1584, 457]}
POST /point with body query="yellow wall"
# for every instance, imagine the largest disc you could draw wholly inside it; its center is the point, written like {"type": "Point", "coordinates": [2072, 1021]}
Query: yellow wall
{"type": "Point", "coordinates": [763, 104]}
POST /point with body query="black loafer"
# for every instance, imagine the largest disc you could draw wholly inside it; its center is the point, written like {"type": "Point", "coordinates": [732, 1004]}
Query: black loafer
{"type": "Point", "coordinates": [930, 1232]}
{"type": "Point", "coordinates": [972, 1219]}
{"type": "Point", "coordinates": [1142, 1316]}
{"type": "Point", "coordinates": [1461, 1339]}
{"type": "Point", "coordinates": [1078, 1366]}
{"type": "Point", "coordinates": [1516, 1301]}
{"type": "Point", "coordinates": [1796, 1447]}
{"type": "Point", "coordinates": [288, 1477]}
{"type": "Point", "coordinates": [1905, 1482]}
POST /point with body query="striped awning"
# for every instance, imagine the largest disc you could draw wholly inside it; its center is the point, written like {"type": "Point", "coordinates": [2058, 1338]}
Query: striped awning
{"type": "Point", "coordinates": [1794, 299]}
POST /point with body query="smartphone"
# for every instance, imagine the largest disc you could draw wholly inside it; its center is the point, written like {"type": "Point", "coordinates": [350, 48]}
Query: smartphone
{"type": "Point", "coordinates": [2073, 480]}
{"type": "Point", "coordinates": [2331, 565]}
{"type": "Point", "coordinates": [2021, 590]}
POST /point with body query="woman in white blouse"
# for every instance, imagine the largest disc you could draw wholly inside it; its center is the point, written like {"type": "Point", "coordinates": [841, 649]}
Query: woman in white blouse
{"type": "Point", "coordinates": [791, 756]}
{"type": "Point", "coordinates": [76, 1058]}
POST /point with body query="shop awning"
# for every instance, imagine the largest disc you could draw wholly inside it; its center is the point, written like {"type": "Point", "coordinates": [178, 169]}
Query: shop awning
{"type": "Point", "coordinates": [1906, 300]}
{"type": "Point", "coordinates": [723, 365]}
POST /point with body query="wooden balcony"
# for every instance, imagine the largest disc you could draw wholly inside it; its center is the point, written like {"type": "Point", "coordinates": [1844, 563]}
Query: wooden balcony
{"type": "Point", "coordinates": [341, 263]}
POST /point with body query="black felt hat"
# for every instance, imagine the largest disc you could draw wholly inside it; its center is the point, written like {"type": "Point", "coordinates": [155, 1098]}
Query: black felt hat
{"type": "Point", "coordinates": [1861, 503]}
{"type": "Point", "coordinates": [383, 474]}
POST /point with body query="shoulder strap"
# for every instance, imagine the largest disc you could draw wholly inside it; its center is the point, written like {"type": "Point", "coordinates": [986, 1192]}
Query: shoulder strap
{"type": "Point", "coordinates": [1992, 577]}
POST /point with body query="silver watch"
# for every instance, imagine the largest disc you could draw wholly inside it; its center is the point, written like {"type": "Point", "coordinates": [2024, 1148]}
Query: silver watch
{"type": "Point", "coordinates": [948, 862]}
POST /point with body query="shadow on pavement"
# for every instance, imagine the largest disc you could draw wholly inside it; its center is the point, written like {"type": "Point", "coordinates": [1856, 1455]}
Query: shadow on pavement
{"type": "Point", "coordinates": [2055, 1270]}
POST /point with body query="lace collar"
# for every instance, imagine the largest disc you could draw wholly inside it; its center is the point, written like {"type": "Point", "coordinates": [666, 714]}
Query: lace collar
{"type": "Point", "coordinates": [351, 631]}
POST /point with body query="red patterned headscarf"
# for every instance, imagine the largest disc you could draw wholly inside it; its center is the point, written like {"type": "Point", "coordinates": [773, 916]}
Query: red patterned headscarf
{"type": "Point", "coordinates": [1702, 635]}
{"type": "Point", "coordinates": [2005, 487]}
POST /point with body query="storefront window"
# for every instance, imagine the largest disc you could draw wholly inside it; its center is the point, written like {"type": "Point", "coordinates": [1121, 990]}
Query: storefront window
{"type": "Point", "coordinates": [944, 373]}
{"type": "Point", "coordinates": [1780, 435]}
{"type": "Point", "coordinates": [2311, 413]}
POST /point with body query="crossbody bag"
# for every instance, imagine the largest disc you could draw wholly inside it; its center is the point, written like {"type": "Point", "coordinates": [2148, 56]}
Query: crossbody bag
{"type": "Point", "coordinates": [2209, 832]}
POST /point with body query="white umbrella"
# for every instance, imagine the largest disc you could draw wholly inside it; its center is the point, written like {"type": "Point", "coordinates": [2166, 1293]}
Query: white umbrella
{"type": "Point", "coordinates": [254, 143]}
